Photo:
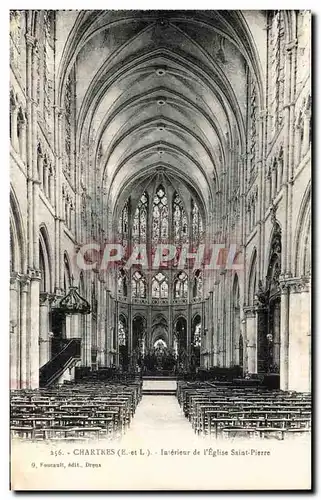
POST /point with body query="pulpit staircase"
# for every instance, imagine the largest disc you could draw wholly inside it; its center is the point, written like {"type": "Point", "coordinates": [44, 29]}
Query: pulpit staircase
{"type": "Point", "coordinates": [64, 360]}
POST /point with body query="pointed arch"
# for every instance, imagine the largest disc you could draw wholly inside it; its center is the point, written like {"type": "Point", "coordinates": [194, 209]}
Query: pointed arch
{"type": "Point", "coordinates": [252, 282]}
{"type": "Point", "coordinates": [45, 259]}
{"type": "Point", "coordinates": [140, 220]}
{"type": "Point", "coordinates": [181, 286]}
{"type": "Point", "coordinates": [138, 286]}
{"type": "Point", "coordinates": [17, 237]}
{"type": "Point", "coordinates": [160, 225]}
{"type": "Point", "coordinates": [303, 236]}
{"type": "Point", "coordinates": [160, 286]}
{"type": "Point", "coordinates": [180, 221]}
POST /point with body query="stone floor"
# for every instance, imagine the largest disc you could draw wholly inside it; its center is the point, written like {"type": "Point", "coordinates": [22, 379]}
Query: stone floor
{"type": "Point", "coordinates": [159, 422]}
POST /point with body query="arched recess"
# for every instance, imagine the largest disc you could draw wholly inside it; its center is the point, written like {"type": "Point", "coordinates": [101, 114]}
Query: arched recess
{"type": "Point", "coordinates": [180, 339]}
{"type": "Point", "coordinates": [45, 317]}
{"type": "Point", "coordinates": [17, 238]}
{"type": "Point", "coordinates": [45, 260]}
{"type": "Point", "coordinates": [303, 237]}
{"type": "Point", "coordinates": [139, 333]}
{"type": "Point", "coordinates": [269, 316]}
{"type": "Point", "coordinates": [236, 334]}
{"type": "Point", "coordinates": [196, 341]}
{"type": "Point", "coordinates": [159, 329]}
{"type": "Point", "coordinates": [123, 341]}
{"type": "Point", "coordinates": [18, 302]}
{"type": "Point", "coordinates": [252, 282]}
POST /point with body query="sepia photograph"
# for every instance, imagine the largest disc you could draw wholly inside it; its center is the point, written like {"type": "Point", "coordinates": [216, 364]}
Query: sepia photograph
{"type": "Point", "coordinates": [160, 250]}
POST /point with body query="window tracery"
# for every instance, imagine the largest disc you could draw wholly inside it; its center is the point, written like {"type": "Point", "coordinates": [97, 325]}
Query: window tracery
{"type": "Point", "coordinates": [179, 221]}
{"type": "Point", "coordinates": [160, 286]}
{"type": "Point", "coordinates": [181, 286]}
{"type": "Point", "coordinates": [138, 286]}
{"type": "Point", "coordinates": [122, 283]}
{"type": "Point", "coordinates": [123, 226]}
{"type": "Point", "coordinates": [197, 284]}
{"type": "Point", "coordinates": [139, 232]}
{"type": "Point", "coordinates": [160, 217]}
{"type": "Point", "coordinates": [197, 224]}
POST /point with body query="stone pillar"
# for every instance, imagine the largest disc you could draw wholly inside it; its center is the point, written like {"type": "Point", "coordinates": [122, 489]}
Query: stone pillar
{"type": "Point", "coordinates": [101, 325]}
{"type": "Point", "coordinates": [284, 337]}
{"type": "Point", "coordinates": [250, 346]}
{"type": "Point", "coordinates": [116, 317]}
{"type": "Point", "coordinates": [34, 330]}
{"type": "Point", "coordinates": [44, 341]}
{"type": "Point", "coordinates": [130, 331]}
{"type": "Point", "coordinates": [210, 332]}
{"type": "Point", "coordinates": [14, 332]}
{"type": "Point", "coordinates": [109, 339]}
{"type": "Point", "coordinates": [299, 336]}
{"type": "Point", "coordinates": [189, 330]}
{"type": "Point", "coordinates": [87, 340]}
{"type": "Point", "coordinates": [276, 329]}
{"type": "Point", "coordinates": [215, 323]}
{"type": "Point", "coordinates": [24, 292]}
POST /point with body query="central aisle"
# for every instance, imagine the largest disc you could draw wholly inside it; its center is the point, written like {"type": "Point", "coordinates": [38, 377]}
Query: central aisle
{"type": "Point", "coordinates": [159, 422]}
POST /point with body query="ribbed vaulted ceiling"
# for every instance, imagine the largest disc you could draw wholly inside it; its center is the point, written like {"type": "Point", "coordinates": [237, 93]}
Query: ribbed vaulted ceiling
{"type": "Point", "coordinates": [162, 89]}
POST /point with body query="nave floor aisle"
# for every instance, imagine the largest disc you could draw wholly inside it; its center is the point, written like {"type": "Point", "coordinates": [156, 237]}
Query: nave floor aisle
{"type": "Point", "coordinates": [159, 422]}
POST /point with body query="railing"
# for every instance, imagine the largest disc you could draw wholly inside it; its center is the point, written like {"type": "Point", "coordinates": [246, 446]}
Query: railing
{"type": "Point", "coordinates": [52, 370]}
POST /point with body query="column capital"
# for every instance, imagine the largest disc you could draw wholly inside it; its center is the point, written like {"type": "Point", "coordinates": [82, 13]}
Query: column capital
{"type": "Point", "coordinates": [14, 279]}
{"type": "Point", "coordinates": [44, 298]}
{"type": "Point", "coordinates": [25, 282]}
{"type": "Point", "coordinates": [295, 285]}
{"type": "Point", "coordinates": [34, 274]}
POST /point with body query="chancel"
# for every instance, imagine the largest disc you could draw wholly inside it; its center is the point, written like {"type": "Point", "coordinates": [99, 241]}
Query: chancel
{"type": "Point", "coordinates": [182, 138]}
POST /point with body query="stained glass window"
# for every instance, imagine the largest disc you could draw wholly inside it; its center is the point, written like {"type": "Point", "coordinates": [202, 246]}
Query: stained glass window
{"type": "Point", "coordinates": [179, 221]}
{"type": "Point", "coordinates": [122, 337]}
{"type": "Point", "coordinates": [181, 286]}
{"type": "Point", "coordinates": [123, 226]}
{"type": "Point", "coordinates": [197, 335]}
{"type": "Point", "coordinates": [160, 286]}
{"type": "Point", "coordinates": [122, 283]}
{"type": "Point", "coordinates": [140, 220]}
{"type": "Point", "coordinates": [198, 284]}
{"type": "Point", "coordinates": [197, 223]}
{"type": "Point", "coordinates": [138, 286]}
{"type": "Point", "coordinates": [160, 217]}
